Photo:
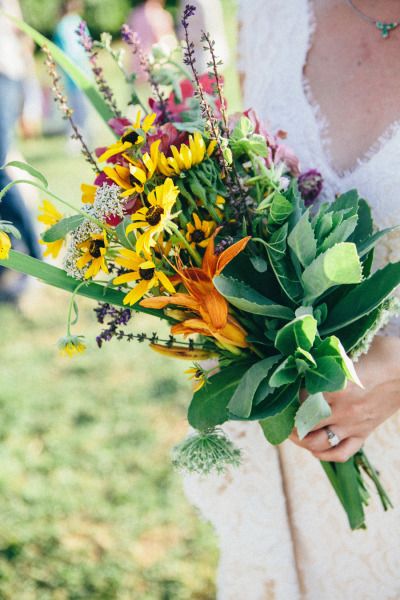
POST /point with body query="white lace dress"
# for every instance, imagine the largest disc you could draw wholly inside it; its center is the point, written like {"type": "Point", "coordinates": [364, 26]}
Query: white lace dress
{"type": "Point", "coordinates": [282, 532]}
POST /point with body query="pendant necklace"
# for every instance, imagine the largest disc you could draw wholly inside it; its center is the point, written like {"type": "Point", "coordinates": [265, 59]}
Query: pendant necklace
{"type": "Point", "coordinates": [383, 27]}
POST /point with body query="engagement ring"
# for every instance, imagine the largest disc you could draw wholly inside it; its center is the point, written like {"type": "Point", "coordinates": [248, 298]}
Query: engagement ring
{"type": "Point", "coordinates": [333, 439]}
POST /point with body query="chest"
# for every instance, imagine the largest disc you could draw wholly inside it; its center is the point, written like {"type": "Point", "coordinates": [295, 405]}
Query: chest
{"type": "Point", "coordinates": [354, 78]}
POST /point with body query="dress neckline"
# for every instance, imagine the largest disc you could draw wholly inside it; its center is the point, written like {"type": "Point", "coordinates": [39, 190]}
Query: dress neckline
{"type": "Point", "coordinates": [322, 122]}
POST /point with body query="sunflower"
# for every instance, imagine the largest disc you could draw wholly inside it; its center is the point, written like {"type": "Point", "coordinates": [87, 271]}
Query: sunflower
{"type": "Point", "coordinates": [94, 250]}
{"type": "Point", "coordinates": [49, 215]}
{"type": "Point", "coordinates": [199, 233]}
{"type": "Point", "coordinates": [142, 270]}
{"type": "Point", "coordinates": [88, 193]}
{"type": "Point", "coordinates": [154, 219]}
{"type": "Point", "coordinates": [186, 157]}
{"type": "Point", "coordinates": [132, 137]}
{"type": "Point", "coordinates": [5, 245]}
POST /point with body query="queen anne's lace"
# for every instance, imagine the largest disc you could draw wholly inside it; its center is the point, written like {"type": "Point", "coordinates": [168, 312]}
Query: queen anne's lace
{"type": "Point", "coordinates": [282, 532]}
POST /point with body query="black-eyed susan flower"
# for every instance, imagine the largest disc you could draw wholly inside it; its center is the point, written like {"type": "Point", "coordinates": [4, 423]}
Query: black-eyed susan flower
{"type": "Point", "coordinates": [94, 250]}
{"type": "Point", "coordinates": [199, 232]}
{"type": "Point", "coordinates": [186, 157]}
{"type": "Point", "coordinates": [49, 215]}
{"type": "Point", "coordinates": [143, 170]}
{"type": "Point", "coordinates": [141, 270]}
{"type": "Point", "coordinates": [156, 217]}
{"type": "Point", "coordinates": [5, 245]}
{"type": "Point", "coordinates": [198, 375]}
{"type": "Point", "coordinates": [132, 137]}
{"type": "Point", "coordinates": [70, 345]}
{"type": "Point", "coordinates": [88, 193]}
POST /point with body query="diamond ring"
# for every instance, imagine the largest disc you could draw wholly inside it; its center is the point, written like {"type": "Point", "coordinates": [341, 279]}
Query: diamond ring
{"type": "Point", "coordinates": [333, 439]}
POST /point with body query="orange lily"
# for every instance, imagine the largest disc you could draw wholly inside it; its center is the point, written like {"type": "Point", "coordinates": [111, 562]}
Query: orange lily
{"type": "Point", "coordinates": [208, 307]}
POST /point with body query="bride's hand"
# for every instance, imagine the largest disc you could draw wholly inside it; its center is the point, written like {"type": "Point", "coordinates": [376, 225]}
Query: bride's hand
{"type": "Point", "coordinates": [356, 412]}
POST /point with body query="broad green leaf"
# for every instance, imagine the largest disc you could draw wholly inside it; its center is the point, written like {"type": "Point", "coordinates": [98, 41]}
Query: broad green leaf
{"type": "Point", "coordinates": [341, 233]}
{"type": "Point", "coordinates": [124, 239]}
{"type": "Point", "coordinates": [282, 266]}
{"type": "Point", "coordinates": [323, 225]}
{"type": "Point", "coordinates": [209, 406]}
{"type": "Point", "coordinates": [368, 244]}
{"type": "Point", "coordinates": [302, 241]}
{"type": "Point", "coordinates": [245, 298]}
{"type": "Point", "coordinates": [332, 346]}
{"type": "Point", "coordinates": [347, 201]}
{"type": "Point", "coordinates": [242, 400]}
{"type": "Point", "coordinates": [346, 480]}
{"type": "Point", "coordinates": [60, 229]}
{"type": "Point", "coordinates": [299, 333]}
{"type": "Point", "coordinates": [280, 210]}
{"type": "Point", "coordinates": [338, 265]}
{"type": "Point", "coordinates": [311, 412]}
{"type": "Point", "coordinates": [354, 333]}
{"type": "Point", "coordinates": [285, 373]}
{"type": "Point", "coordinates": [28, 169]}
{"type": "Point", "coordinates": [363, 299]}
{"type": "Point", "coordinates": [59, 279]}
{"type": "Point", "coordinates": [276, 403]}
{"type": "Point", "coordinates": [262, 392]}
{"type": "Point", "coordinates": [328, 376]}
{"type": "Point", "coordinates": [365, 225]}
{"type": "Point", "coordinates": [277, 429]}
{"type": "Point", "coordinates": [80, 78]}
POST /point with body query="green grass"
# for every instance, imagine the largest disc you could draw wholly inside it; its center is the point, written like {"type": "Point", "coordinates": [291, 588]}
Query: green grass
{"type": "Point", "coordinates": [90, 507]}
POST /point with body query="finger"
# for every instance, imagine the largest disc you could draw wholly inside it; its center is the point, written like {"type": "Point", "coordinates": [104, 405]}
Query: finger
{"type": "Point", "coordinates": [318, 441]}
{"type": "Point", "coordinates": [342, 452]}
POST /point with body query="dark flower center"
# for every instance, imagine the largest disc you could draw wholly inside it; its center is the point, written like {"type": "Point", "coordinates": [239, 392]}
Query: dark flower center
{"type": "Point", "coordinates": [131, 137]}
{"type": "Point", "coordinates": [95, 248]}
{"type": "Point", "coordinates": [198, 374]}
{"type": "Point", "coordinates": [197, 236]}
{"type": "Point", "coordinates": [146, 274]}
{"type": "Point", "coordinates": [153, 216]}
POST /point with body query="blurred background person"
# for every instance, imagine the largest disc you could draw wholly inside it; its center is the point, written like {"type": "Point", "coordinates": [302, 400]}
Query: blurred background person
{"type": "Point", "coordinates": [16, 67]}
{"type": "Point", "coordinates": [154, 25]}
{"type": "Point", "coordinates": [66, 38]}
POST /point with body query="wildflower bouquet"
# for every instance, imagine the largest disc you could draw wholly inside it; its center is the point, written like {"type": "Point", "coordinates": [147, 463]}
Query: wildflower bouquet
{"type": "Point", "coordinates": [206, 221]}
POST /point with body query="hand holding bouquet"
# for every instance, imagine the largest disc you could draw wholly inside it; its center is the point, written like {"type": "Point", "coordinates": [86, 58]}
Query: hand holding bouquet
{"type": "Point", "coordinates": [206, 221]}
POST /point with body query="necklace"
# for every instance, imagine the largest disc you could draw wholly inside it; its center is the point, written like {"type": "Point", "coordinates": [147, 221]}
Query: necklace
{"type": "Point", "coordinates": [384, 27]}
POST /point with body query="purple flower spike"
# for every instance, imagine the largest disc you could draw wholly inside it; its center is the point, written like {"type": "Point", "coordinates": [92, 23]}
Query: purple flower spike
{"type": "Point", "coordinates": [310, 186]}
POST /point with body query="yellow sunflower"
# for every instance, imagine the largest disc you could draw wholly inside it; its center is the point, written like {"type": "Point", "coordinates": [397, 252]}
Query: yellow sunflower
{"type": "Point", "coordinates": [186, 157]}
{"type": "Point", "coordinates": [5, 245]}
{"type": "Point", "coordinates": [144, 272]}
{"type": "Point", "coordinates": [199, 232]}
{"type": "Point", "coordinates": [94, 251]}
{"type": "Point", "coordinates": [154, 218]}
{"type": "Point", "coordinates": [49, 215]}
{"type": "Point", "coordinates": [131, 137]}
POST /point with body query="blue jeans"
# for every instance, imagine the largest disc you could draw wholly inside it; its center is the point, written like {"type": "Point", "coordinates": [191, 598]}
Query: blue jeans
{"type": "Point", "coordinates": [12, 208]}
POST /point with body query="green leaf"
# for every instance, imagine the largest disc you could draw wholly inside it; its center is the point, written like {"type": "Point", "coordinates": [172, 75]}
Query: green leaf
{"type": "Point", "coordinates": [8, 227]}
{"type": "Point", "coordinates": [345, 479]}
{"type": "Point", "coordinates": [276, 403]}
{"type": "Point", "coordinates": [60, 229]}
{"type": "Point", "coordinates": [352, 335]}
{"type": "Point", "coordinates": [28, 169]}
{"type": "Point", "coordinates": [333, 347]}
{"type": "Point", "coordinates": [209, 406]}
{"type": "Point", "coordinates": [285, 373]}
{"type": "Point", "coordinates": [368, 244]}
{"type": "Point", "coordinates": [299, 333]}
{"type": "Point", "coordinates": [338, 265]}
{"type": "Point", "coordinates": [262, 392]}
{"type": "Point", "coordinates": [124, 239]}
{"type": "Point", "coordinates": [282, 266]}
{"type": "Point", "coordinates": [277, 429]}
{"type": "Point", "coordinates": [328, 376]}
{"type": "Point", "coordinates": [302, 241]}
{"type": "Point", "coordinates": [58, 278]}
{"type": "Point", "coordinates": [311, 412]}
{"type": "Point", "coordinates": [341, 233]}
{"type": "Point", "coordinates": [365, 225]}
{"type": "Point", "coordinates": [242, 400]}
{"type": "Point", "coordinates": [280, 210]}
{"type": "Point", "coordinates": [246, 298]}
{"type": "Point", "coordinates": [347, 202]}
{"type": "Point", "coordinates": [80, 78]}
{"type": "Point", "coordinates": [363, 299]}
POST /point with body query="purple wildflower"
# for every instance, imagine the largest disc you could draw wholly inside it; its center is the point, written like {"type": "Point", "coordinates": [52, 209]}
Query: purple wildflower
{"type": "Point", "coordinates": [310, 185]}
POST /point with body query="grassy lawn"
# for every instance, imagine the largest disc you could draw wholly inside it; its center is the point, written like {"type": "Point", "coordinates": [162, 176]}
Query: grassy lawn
{"type": "Point", "coordinates": [90, 507]}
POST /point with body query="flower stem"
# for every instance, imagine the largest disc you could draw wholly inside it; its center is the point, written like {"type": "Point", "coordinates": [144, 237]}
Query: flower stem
{"type": "Point", "coordinates": [72, 304]}
{"type": "Point", "coordinates": [193, 253]}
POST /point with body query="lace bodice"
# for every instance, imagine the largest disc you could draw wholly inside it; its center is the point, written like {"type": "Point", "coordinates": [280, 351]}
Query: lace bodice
{"type": "Point", "coordinates": [282, 533]}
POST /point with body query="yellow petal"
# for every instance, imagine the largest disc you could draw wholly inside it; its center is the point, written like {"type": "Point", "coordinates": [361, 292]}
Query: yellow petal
{"type": "Point", "coordinates": [137, 293]}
